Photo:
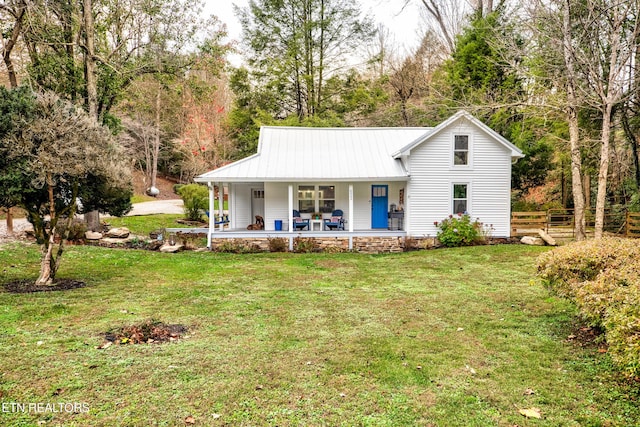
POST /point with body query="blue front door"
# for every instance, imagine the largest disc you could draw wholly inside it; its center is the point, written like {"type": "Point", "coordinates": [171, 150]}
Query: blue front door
{"type": "Point", "coordinates": [379, 202]}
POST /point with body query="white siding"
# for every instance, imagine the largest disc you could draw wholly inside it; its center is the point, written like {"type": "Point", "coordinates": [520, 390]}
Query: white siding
{"type": "Point", "coordinates": [276, 204]}
{"type": "Point", "coordinates": [240, 204]}
{"type": "Point", "coordinates": [433, 175]}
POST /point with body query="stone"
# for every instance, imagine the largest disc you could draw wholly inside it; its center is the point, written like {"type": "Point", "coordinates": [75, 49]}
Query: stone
{"type": "Point", "coordinates": [118, 233]}
{"type": "Point", "coordinates": [167, 248]}
{"type": "Point", "coordinates": [547, 238]}
{"type": "Point", "coordinates": [530, 240]}
{"type": "Point", "coordinates": [92, 235]}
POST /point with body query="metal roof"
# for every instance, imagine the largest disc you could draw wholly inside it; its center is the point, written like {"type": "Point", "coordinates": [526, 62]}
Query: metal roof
{"type": "Point", "coordinates": [321, 154]}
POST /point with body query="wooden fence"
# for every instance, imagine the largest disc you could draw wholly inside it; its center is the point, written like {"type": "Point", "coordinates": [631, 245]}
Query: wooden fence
{"type": "Point", "coordinates": [526, 223]}
{"type": "Point", "coordinates": [633, 224]}
{"type": "Point", "coordinates": [559, 223]}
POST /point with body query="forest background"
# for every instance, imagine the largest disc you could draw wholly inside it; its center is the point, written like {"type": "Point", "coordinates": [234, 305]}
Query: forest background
{"type": "Point", "coordinates": [556, 77]}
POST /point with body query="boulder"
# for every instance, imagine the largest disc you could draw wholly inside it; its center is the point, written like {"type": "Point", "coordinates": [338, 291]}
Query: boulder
{"type": "Point", "coordinates": [547, 239]}
{"type": "Point", "coordinates": [92, 235]}
{"type": "Point", "coordinates": [530, 240]}
{"type": "Point", "coordinates": [167, 248]}
{"type": "Point", "coordinates": [118, 233]}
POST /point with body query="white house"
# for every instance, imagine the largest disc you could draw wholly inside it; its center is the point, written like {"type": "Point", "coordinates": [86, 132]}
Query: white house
{"type": "Point", "coordinates": [458, 166]}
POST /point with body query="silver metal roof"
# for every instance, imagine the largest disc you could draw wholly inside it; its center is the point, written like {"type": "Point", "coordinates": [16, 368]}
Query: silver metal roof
{"type": "Point", "coordinates": [321, 154]}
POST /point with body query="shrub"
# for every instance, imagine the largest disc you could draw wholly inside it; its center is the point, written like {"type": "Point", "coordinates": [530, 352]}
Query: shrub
{"type": "Point", "coordinates": [304, 245]}
{"type": "Point", "coordinates": [459, 230]}
{"type": "Point", "coordinates": [196, 199]}
{"type": "Point", "coordinates": [603, 278]}
{"type": "Point", "coordinates": [278, 244]}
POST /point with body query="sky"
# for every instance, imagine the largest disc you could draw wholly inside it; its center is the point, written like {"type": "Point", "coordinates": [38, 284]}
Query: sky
{"type": "Point", "coordinates": [403, 24]}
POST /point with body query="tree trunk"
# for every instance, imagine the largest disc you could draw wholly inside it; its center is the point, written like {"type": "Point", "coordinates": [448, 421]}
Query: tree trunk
{"type": "Point", "coordinates": [156, 142]}
{"type": "Point", "coordinates": [574, 130]}
{"type": "Point", "coordinates": [11, 72]}
{"type": "Point", "coordinates": [576, 178]}
{"type": "Point", "coordinates": [89, 60]}
{"type": "Point", "coordinates": [47, 265]}
{"type": "Point", "coordinates": [601, 199]}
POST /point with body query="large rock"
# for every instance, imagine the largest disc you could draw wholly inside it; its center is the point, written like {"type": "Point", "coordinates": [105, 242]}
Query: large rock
{"type": "Point", "coordinates": [118, 233]}
{"type": "Point", "coordinates": [530, 240]}
{"type": "Point", "coordinates": [92, 235]}
{"type": "Point", "coordinates": [167, 248]}
{"type": "Point", "coordinates": [547, 239]}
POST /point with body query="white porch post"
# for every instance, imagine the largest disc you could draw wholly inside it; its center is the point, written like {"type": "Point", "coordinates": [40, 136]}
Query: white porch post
{"type": "Point", "coordinates": [290, 215]}
{"type": "Point", "coordinates": [290, 221]}
{"type": "Point", "coordinates": [221, 204]}
{"type": "Point", "coordinates": [350, 208]}
{"type": "Point", "coordinates": [212, 220]}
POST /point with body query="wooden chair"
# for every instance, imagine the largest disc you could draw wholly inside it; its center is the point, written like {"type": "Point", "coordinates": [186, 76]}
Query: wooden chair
{"type": "Point", "coordinates": [299, 223]}
{"type": "Point", "coordinates": [336, 222]}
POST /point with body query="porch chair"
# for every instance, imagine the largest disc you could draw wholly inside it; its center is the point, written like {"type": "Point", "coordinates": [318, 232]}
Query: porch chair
{"type": "Point", "coordinates": [298, 222]}
{"type": "Point", "coordinates": [336, 222]}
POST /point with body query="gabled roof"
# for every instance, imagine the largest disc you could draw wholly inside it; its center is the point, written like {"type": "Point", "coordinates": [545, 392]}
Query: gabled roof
{"type": "Point", "coordinates": [301, 154]}
{"type": "Point", "coordinates": [516, 153]}
{"type": "Point", "coordinates": [321, 154]}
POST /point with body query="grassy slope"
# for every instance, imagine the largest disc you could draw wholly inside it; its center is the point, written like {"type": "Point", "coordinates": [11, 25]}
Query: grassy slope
{"type": "Point", "coordinates": [290, 339]}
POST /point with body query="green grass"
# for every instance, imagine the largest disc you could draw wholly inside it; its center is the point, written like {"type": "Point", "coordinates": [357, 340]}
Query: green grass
{"type": "Point", "coordinates": [449, 337]}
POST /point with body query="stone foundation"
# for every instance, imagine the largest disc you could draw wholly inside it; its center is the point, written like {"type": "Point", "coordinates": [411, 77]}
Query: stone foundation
{"type": "Point", "coordinates": [376, 244]}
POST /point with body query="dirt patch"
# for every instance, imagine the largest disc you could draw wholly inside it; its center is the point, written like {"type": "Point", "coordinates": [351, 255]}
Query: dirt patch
{"type": "Point", "coordinates": [164, 184]}
{"type": "Point", "coordinates": [29, 286]}
{"type": "Point", "coordinates": [587, 337]}
{"type": "Point", "coordinates": [147, 332]}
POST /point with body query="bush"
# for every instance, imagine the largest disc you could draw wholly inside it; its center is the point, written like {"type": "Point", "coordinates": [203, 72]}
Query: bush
{"type": "Point", "coordinates": [278, 244]}
{"type": "Point", "coordinates": [603, 278]}
{"type": "Point", "coordinates": [459, 230]}
{"type": "Point", "coordinates": [196, 199]}
{"type": "Point", "coordinates": [304, 245]}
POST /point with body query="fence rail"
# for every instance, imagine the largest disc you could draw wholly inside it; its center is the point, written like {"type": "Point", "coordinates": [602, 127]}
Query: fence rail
{"type": "Point", "coordinates": [560, 223]}
{"type": "Point", "coordinates": [633, 224]}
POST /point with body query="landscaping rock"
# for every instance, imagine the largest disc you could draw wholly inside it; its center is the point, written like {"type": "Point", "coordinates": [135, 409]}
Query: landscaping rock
{"type": "Point", "coordinates": [92, 235]}
{"type": "Point", "coordinates": [118, 233]}
{"type": "Point", "coordinates": [167, 248]}
{"type": "Point", "coordinates": [547, 239]}
{"type": "Point", "coordinates": [530, 240]}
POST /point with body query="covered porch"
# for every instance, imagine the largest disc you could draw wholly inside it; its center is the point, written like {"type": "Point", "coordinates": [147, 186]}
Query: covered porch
{"type": "Point", "coordinates": [369, 209]}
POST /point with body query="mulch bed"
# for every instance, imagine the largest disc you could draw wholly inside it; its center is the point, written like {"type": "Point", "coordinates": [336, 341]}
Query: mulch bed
{"type": "Point", "coordinates": [26, 286]}
{"type": "Point", "coordinates": [145, 333]}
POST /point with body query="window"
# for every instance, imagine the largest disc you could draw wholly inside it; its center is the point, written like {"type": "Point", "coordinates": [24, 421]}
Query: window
{"type": "Point", "coordinates": [312, 198]}
{"type": "Point", "coordinates": [306, 198]}
{"type": "Point", "coordinates": [460, 200]}
{"type": "Point", "coordinates": [461, 150]}
{"type": "Point", "coordinates": [327, 198]}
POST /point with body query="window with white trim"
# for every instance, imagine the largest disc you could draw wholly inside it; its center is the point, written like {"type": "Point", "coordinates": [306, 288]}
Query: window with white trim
{"type": "Point", "coordinates": [460, 150]}
{"type": "Point", "coordinates": [316, 198]}
{"type": "Point", "coordinates": [460, 198]}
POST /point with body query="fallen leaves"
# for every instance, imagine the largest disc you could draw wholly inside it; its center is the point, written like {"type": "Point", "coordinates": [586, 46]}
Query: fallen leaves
{"type": "Point", "coordinates": [531, 413]}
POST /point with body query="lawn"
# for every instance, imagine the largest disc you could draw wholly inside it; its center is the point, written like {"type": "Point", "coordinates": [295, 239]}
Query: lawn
{"type": "Point", "coordinates": [451, 337]}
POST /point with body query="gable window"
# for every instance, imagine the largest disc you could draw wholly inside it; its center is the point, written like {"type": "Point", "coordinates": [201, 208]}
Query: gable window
{"type": "Point", "coordinates": [460, 198]}
{"type": "Point", "coordinates": [461, 150]}
{"type": "Point", "coordinates": [316, 198]}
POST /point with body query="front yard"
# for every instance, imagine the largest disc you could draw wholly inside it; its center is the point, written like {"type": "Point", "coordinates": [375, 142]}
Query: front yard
{"type": "Point", "coordinates": [450, 337]}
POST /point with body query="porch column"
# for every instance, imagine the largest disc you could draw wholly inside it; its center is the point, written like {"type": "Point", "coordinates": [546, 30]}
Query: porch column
{"type": "Point", "coordinates": [350, 208]}
{"type": "Point", "coordinates": [212, 220]}
{"type": "Point", "coordinates": [290, 215]}
{"type": "Point", "coordinates": [221, 204]}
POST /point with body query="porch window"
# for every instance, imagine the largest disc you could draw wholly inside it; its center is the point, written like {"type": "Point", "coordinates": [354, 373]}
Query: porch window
{"type": "Point", "coordinates": [460, 199]}
{"type": "Point", "coordinates": [306, 198]}
{"type": "Point", "coordinates": [326, 198]}
{"type": "Point", "coordinates": [316, 198]}
{"type": "Point", "coordinates": [461, 150]}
